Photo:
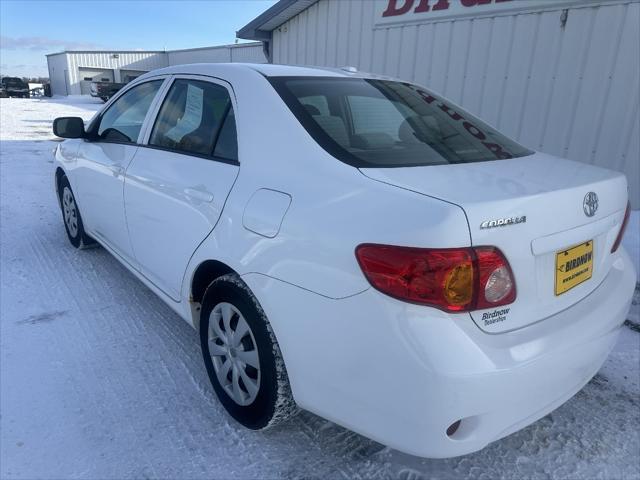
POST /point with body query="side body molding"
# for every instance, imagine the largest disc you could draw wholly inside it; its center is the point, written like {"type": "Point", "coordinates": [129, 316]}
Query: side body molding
{"type": "Point", "coordinates": [265, 211]}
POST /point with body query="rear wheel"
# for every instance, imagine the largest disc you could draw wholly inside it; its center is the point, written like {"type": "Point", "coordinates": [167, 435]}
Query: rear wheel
{"type": "Point", "coordinates": [71, 216]}
{"type": "Point", "coordinates": [242, 356]}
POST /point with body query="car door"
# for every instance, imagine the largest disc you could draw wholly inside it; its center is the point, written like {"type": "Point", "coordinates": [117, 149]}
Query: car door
{"type": "Point", "coordinates": [179, 180]}
{"type": "Point", "coordinates": [102, 160]}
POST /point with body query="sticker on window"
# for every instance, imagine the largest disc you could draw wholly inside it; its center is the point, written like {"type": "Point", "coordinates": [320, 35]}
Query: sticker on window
{"type": "Point", "coordinates": [192, 116]}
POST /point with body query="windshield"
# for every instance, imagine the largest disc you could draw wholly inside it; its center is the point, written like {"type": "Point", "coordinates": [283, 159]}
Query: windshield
{"type": "Point", "coordinates": [380, 123]}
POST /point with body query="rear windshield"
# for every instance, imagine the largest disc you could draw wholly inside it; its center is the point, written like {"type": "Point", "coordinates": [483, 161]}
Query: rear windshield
{"type": "Point", "coordinates": [380, 123]}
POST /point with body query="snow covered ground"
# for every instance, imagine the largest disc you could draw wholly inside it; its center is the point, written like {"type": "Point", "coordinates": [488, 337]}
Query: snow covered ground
{"type": "Point", "coordinates": [99, 379]}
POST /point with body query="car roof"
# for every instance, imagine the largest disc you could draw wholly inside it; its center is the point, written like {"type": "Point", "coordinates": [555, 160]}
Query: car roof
{"type": "Point", "coordinates": [266, 69]}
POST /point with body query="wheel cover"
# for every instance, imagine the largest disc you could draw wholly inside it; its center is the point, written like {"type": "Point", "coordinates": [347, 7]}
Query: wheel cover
{"type": "Point", "coordinates": [70, 211]}
{"type": "Point", "coordinates": [234, 353]}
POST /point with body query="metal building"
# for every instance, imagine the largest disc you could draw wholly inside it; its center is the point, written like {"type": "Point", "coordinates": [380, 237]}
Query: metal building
{"type": "Point", "coordinates": [560, 76]}
{"type": "Point", "coordinates": [71, 72]}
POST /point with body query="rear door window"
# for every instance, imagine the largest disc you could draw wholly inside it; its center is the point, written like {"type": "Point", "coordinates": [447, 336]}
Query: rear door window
{"type": "Point", "coordinates": [227, 144]}
{"type": "Point", "coordinates": [194, 118]}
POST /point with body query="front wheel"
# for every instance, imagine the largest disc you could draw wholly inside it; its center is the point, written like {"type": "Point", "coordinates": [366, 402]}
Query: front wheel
{"type": "Point", "coordinates": [71, 216]}
{"type": "Point", "coordinates": [242, 356]}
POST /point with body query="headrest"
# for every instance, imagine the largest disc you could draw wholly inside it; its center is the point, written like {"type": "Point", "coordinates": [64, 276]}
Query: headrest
{"type": "Point", "coordinates": [335, 128]}
{"type": "Point", "coordinates": [311, 109]}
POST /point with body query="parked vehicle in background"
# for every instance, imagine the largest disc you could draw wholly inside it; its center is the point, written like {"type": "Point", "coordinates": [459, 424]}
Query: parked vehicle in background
{"type": "Point", "coordinates": [3, 91]}
{"type": "Point", "coordinates": [36, 89]}
{"type": "Point", "coordinates": [355, 245]}
{"type": "Point", "coordinates": [15, 87]}
{"type": "Point", "coordinates": [105, 90]}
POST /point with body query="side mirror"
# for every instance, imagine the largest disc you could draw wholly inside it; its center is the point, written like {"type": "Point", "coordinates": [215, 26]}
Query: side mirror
{"type": "Point", "coordinates": [69, 127]}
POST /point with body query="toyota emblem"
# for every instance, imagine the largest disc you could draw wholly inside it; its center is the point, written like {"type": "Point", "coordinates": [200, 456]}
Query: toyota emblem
{"type": "Point", "coordinates": [590, 204]}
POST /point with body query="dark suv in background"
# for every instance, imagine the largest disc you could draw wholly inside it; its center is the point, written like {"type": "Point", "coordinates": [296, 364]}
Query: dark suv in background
{"type": "Point", "coordinates": [15, 87]}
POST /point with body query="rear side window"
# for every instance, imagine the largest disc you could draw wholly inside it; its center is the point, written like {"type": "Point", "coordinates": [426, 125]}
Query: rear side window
{"type": "Point", "coordinates": [123, 120]}
{"type": "Point", "coordinates": [196, 118]}
{"type": "Point", "coordinates": [380, 123]}
{"type": "Point", "coordinates": [227, 144]}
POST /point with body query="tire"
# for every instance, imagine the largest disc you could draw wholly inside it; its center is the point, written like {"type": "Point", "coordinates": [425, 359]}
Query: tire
{"type": "Point", "coordinates": [262, 396]}
{"type": "Point", "coordinates": [71, 217]}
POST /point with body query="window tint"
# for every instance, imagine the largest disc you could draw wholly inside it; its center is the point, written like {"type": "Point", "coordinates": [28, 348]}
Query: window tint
{"type": "Point", "coordinates": [315, 104]}
{"type": "Point", "coordinates": [372, 115]}
{"type": "Point", "coordinates": [227, 144]}
{"type": "Point", "coordinates": [192, 118]}
{"type": "Point", "coordinates": [380, 123]}
{"type": "Point", "coordinates": [123, 120]}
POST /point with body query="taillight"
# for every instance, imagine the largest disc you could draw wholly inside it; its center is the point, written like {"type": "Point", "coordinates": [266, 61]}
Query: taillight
{"type": "Point", "coordinates": [451, 279]}
{"type": "Point", "coordinates": [496, 283]}
{"type": "Point", "coordinates": [623, 227]}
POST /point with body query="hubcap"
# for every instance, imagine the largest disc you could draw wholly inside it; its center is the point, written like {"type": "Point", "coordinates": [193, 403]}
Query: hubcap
{"type": "Point", "coordinates": [70, 211]}
{"type": "Point", "coordinates": [234, 353]}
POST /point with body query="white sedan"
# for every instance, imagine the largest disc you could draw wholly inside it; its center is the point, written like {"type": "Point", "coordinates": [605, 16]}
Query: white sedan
{"type": "Point", "coordinates": [355, 246]}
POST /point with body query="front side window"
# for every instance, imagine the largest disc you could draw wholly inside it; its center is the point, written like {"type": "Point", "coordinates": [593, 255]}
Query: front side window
{"type": "Point", "coordinates": [196, 118]}
{"type": "Point", "coordinates": [380, 123]}
{"type": "Point", "coordinates": [123, 120]}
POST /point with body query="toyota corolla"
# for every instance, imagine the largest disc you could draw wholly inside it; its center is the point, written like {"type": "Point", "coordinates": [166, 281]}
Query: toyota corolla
{"type": "Point", "coordinates": [355, 246]}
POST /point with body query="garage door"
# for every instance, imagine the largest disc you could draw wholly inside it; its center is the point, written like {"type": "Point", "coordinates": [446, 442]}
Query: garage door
{"type": "Point", "coordinates": [127, 76]}
{"type": "Point", "coordinates": [88, 75]}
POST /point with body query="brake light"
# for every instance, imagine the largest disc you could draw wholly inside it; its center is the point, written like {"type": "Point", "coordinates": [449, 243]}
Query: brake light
{"type": "Point", "coordinates": [623, 227]}
{"type": "Point", "coordinates": [451, 279]}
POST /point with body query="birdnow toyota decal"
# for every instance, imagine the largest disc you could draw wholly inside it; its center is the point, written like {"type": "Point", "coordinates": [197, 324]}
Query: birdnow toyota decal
{"type": "Point", "coordinates": [400, 7]}
{"type": "Point", "coordinates": [404, 11]}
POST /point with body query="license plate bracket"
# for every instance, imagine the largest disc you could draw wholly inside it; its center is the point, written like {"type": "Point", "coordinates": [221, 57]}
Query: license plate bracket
{"type": "Point", "coordinates": [573, 267]}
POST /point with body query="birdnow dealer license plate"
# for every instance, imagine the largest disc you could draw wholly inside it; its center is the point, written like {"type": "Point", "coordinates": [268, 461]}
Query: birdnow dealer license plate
{"type": "Point", "coordinates": [573, 266]}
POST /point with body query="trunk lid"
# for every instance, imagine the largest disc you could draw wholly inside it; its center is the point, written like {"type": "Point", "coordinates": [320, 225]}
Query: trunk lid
{"type": "Point", "coordinates": [550, 192]}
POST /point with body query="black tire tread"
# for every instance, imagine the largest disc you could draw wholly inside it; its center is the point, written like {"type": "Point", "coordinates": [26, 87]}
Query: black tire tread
{"type": "Point", "coordinates": [285, 406]}
{"type": "Point", "coordinates": [82, 241]}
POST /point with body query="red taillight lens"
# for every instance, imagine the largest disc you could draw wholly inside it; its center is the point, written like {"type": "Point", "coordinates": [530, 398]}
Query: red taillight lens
{"type": "Point", "coordinates": [623, 227]}
{"type": "Point", "coordinates": [451, 279]}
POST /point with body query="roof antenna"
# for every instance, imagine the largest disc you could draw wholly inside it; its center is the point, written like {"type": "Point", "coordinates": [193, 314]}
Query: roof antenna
{"type": "Point", "coordinates": [349, 69]}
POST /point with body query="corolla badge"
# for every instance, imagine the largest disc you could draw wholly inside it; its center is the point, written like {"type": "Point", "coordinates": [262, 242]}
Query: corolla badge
{"type": "Point", "coordinates": [503, 222]}
{"type": "Point", "coordinates": [590, 204]}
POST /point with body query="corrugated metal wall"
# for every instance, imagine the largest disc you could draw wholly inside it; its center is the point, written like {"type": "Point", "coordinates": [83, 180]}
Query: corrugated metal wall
{"type": "Point", "coordinates": [133, 61]}
{"type": "Point", "coordinates": [178, 57]}
{"type": "Point", "coordinates": [141, 61]}
{"type": "Point", "coordinates": [571, 91]}
{"type": "Point", "coordinates": [225, 53]}
{"type": "Point", "coordinates": [248, 54]}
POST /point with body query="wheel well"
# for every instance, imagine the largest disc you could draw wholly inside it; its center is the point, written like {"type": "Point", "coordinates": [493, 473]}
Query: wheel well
{"type": "Point", "coordinates": [204, 275]}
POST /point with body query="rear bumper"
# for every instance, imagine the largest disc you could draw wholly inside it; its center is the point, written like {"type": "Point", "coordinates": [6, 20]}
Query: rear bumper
{"type": "Point", "coordinates": [401, 374]}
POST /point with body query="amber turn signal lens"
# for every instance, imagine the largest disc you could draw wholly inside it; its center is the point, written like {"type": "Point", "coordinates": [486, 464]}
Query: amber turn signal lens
{"type": "Point", "coordinates": [458, 285]}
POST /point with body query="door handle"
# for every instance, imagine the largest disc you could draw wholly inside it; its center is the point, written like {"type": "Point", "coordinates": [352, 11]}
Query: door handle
{"type": "Point", "coordinates": [199, 195]}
